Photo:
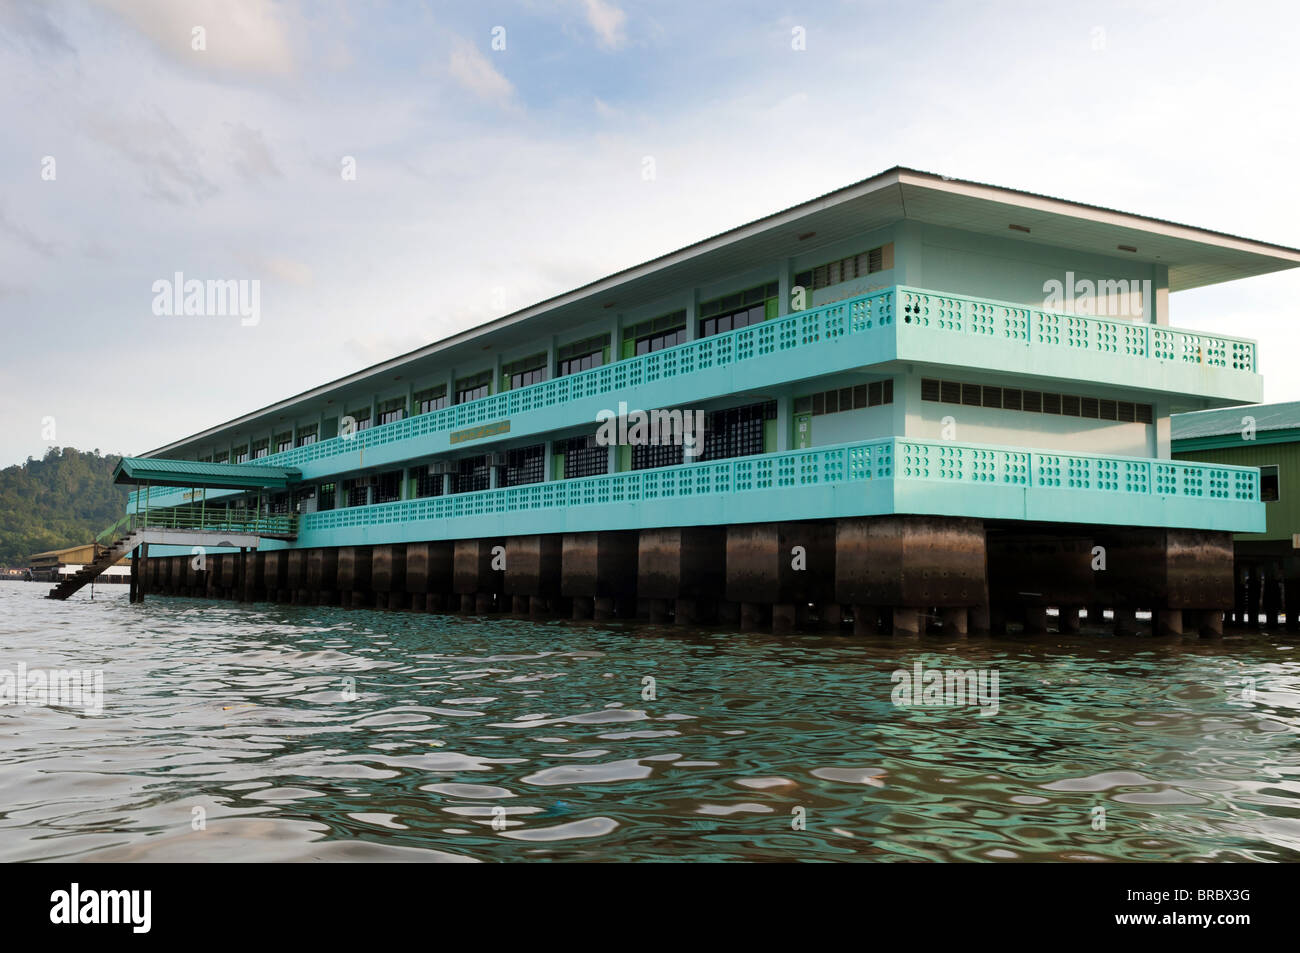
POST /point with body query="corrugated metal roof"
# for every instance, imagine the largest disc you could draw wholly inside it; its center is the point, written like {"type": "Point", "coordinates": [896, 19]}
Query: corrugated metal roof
{"type": "Point", "coordinates": [1228, 420]}
{"type": "Point", "coordinates": [161, 471]}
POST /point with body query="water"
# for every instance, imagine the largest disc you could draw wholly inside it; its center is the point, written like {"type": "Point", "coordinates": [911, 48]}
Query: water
{"type": "Point", "coordinates": [541, 730]}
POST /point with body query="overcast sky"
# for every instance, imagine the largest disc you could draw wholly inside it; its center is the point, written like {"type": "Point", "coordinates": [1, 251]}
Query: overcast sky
{"type": "Point", "coordinates": [487, 179]}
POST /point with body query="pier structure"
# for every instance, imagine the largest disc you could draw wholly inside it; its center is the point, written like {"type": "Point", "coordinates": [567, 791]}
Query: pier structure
{"type": "Point", "coordinates": [926, 405]}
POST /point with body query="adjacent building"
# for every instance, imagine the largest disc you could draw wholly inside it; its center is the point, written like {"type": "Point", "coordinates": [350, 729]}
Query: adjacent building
{"type": "Point", "coordinates": [1266, 436]}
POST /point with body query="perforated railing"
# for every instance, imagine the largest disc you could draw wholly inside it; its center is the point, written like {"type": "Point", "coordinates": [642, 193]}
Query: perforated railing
{"type": "Point", "coordinates": [890, 458]}
{"type": "Point", "coordinates": [1032, 326]}
{"type": "Point", "coordinates": [913, 307]}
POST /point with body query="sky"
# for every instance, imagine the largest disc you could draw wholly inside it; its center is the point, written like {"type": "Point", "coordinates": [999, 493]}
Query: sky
{"type": "Point", "coordinates": [394, 172]}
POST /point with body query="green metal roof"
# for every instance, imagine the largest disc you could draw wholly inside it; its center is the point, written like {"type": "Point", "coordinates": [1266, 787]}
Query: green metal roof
{"type": "Point", "coordinates": [159, 471]}
{"type": "Point", "coordinates": [1220, 427]}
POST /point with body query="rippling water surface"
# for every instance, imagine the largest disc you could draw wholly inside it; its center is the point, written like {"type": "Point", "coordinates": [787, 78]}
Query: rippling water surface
{"type": "Point", "coordinates": [488, 740]}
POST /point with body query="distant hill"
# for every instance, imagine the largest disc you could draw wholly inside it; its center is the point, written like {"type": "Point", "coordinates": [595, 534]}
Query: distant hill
{"type": "Point", "coordinates": [62, 500]}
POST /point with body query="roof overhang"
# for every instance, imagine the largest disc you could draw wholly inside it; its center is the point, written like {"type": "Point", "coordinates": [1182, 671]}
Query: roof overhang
{"type": "Point", "coordinates": [159, 471]}
{"type": "Point", "coordinates": [1194, 256]}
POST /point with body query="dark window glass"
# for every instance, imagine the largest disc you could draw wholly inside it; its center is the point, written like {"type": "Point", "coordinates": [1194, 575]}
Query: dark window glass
{"type": "Point", "coordinates": [357, 491]}
{"type": "Point", "coordinates": [584, 457]}
{"type": "Point", "coordinates": [1051, 403]}
{"type": "Point", "coordinates": [1069, 405]}
{"type": "Point", "coordinates": [524, 465]}
{"type": "Point", "coordinates": [929, 388]}
{"type": "Point", "coordinates": [1126, 411]}
{"type": "Point", "coordinates": [1011, 398]}
{"type": "Point", "coordinates": [471, 474]}
{"type": "Point", "coordinates": [325, 498]}
{"type": "Point", "coordinates": [388, 487]}
{"type": "Point", "coordinates": [473, 388]}
{"type": "Point", "coordinates": [241, 456]}
{"type": "Point", "coordinates": [1033, 401]}
{"type": "Point", "coordinates": [736, 432]}
{"type": "Point", "coordinates": [950, 393]}
{"type": "Point", "coordinates": [993, 397]}
{"type": "Point", "coordinates": [427, 483]}
{"type": "Point", "coordinates": [427, 401]}
{"type": "Point", "coordinates": [1143, 413]}
{"type": "Point", "coordinates": [970, 395]}
{"type": "Point", "coordinates": [860, 392]}
{"type": "Point", "coordinates": [392, 414]}
{"type": "Point", "coordinates": [1269, 487]}
{"type": "Point", "coordinates": [307, 436]}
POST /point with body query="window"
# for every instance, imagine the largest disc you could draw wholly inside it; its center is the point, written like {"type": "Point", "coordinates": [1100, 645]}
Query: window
{"type": "Point", "coordinates": [283, 442]}
{"type": "Point", "coordinates": [391, 410]}
{"type": "Point", "coordinates": [1030, 401]}
{"type": "Point", "coordinates": [738, 310]}
{"type": "Point", "coordinates": [584, 457]}
{"type": "Point", "coordinates": [307, 435]}
{"type": "Point", "coordinates": [325, 498]}
{"type": "Point", "coordinates": [524, 465]}
{"type": "Point", "coordinates": [241, 456]}
{"type": "Point", "coordinates": [207, 459]}
{"type": "Point", "coordinates": [846, 269]}
{"type": "Point", "coordinates": [734, 432]}
{"type": "Point", "coordinates": [279, 504]}
{"type": "Point", "coordinates": [357, 491]}
{"type": "Point", "coordinates": [851, 398]}
{"type": "Point", "coordinates": [435, 398]}
{"type": "Point", "coordinates": [221, 457]}
{"type": "Point", "coordinates": [388, 487]}
{"type": "Point", "coordinates": [649, 336]}
{"type": "Point", "coordinates": [472, 388]}
{"type": "Point", "coordinates": [471, 474]}
{"type": "Point", "coordinates": [260, 449]}
{"type": "Point", "coordinates": [360, 418]}
{"type": "Point", "coordinates": [580, 356]}
{"type": "Point", "coordinates": [525, 371]}
{"type": "Point", "coordinates": [427, 483]}
{"type": "Point", "coordinates": [303, 499]}
{"type": "Point", "coordinates": [1270, 490]}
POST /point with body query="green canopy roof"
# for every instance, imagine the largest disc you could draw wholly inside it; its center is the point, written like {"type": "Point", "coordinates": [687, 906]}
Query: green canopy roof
{"type": "Point", "coordinates": [160, 471]}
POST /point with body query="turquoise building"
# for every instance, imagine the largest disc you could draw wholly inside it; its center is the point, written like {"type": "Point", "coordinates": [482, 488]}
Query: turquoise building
{"type": "Point", "coordinates": [925, 401]}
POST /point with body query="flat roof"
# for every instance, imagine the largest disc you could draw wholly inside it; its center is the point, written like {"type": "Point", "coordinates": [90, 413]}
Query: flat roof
{"type": "Point", "coordinates": [1195, 256]}
{"type": "Point", "coordinates": [160, 471]}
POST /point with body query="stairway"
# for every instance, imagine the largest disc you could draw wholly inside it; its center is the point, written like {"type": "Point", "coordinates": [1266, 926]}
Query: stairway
{"type": "Point", "coordinates": [89, 573]}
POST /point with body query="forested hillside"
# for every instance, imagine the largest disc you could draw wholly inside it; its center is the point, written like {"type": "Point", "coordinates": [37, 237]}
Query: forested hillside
{"type": "Point", "coordinates": [62, 500]}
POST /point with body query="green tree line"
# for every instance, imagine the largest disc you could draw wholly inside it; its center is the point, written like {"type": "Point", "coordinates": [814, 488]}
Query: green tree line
{"type": "Point", "coordinates": [61, 500]}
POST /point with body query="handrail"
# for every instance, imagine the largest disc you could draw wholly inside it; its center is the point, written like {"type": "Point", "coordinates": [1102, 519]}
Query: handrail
{"type": "Point", "coordinates": [900, 305]}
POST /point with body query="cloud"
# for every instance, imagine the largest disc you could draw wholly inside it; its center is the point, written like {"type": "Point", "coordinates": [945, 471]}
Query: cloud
{"type": "Point", "coordinates": [168, 160]}
{"type": "Point", "coordinates": [30, 21]}
{"type": "Point", "coordinates": [608, 22]}
{"type": "Point", "coordinates": [243, 36]}
{"type": "Point", "coordinates": [252, 159]}
{"type": "Point", "coordinates": [25, 236]}
{"type": "Point", "coordinates": [472, 70]}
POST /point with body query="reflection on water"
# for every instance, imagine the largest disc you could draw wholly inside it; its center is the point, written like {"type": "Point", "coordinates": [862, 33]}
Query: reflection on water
{"type": "Point", "coordinates": [300, 733]}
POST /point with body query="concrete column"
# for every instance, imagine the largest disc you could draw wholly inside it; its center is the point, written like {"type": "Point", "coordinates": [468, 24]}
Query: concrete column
{"type": "Point", "coordinates": [954, 620]}
{"type": "Point", "coordinates": [600, 564]}
{"type": "Point", "coordinates": [354, 581]}
{"type": "Point", "coordinates": [533, 565]}
{"type": "Point", "coordinates": [1167, 622]}
{"type": "Point", "coordinates": [908, 620]}
{"type": "Point", "coordinates": [1035, 620]}
{"type": "Point", "coordinates": [322, 576]}
{"type": "Point", "coordinates": [1069, 619]}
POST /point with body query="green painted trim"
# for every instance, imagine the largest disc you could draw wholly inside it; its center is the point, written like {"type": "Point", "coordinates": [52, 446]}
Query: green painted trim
{"type": "Point", "coordinates": [1228, 441]}
{"type": "Point", "coordinates": [769, 436]}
